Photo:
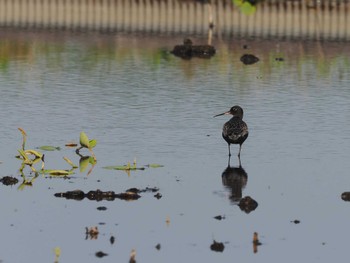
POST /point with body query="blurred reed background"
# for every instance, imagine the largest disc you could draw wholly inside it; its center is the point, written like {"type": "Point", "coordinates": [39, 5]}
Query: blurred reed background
{"type": "Point", "coordinates": [307, 19]}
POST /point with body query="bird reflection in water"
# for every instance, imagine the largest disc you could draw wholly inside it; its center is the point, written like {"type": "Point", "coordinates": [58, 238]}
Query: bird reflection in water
{"type": "Point", "coordinates": [235, 179]}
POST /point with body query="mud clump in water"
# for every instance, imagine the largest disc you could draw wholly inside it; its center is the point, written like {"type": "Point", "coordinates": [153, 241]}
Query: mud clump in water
{"type": "Point", "coordinates": [249, 59]}
{"type": "Point", "coordinates": [8, 180]}
{"type": "Point", "coordinates": [247, 204]}
{"type": "Point", "coordinates": [188, 50]}
{"type": "Point", "coordinates": [217, 246]}
{"type": "Point", "coordinates": [345, 196]}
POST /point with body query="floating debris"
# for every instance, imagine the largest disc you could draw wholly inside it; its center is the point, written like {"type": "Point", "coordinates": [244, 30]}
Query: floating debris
{"type": "Point", "coordinates": [9, 180]}
{"type": "Point", "coordinates": [132, 256]}
{"type": "Point", "coordinates": [296, 221]}
{"type": "Point", "coordinates": [217, 246]}
{"type": "Point", "coordinates": [101, 254]}
{"type": "Point", "coordinates": [256, 242]}
{"type": "Point", "coordinates": [102, 208]}
{"type": "Point", "coordinates": [247, 204]}
{"type": "Point", "coordinates": [188, 50]}
{"type": "Point", "coordinates": [57, 251]}
{"type": "Point", "coordinates": [249, 59]}
{"type": "Point", "coordinates": [279, 59]}
{"type": "Point", "coordinates": [345, 196]}
{"type": "Point", "coordinates": [91, 232]}
{"type": "Point", "coordinates": [71, 144]}
{"type": "Point", "coordinates": [111, 240]}
{"type": "Point", "coordinates": [158, 246]}
{"type": "Point", "coordinates": [167, 221]}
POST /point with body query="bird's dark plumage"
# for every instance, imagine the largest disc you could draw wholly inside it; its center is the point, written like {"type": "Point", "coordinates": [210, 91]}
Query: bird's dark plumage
{"type": "Point", "coordinates": [235, 131]}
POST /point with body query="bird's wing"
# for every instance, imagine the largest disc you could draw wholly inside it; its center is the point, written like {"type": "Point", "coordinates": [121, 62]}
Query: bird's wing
{"type": "Point", "coordinates": [236, 128]}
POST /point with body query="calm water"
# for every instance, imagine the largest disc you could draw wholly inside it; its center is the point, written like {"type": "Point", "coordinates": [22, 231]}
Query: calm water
{"type": "Point", "coordinates": [139, 101]}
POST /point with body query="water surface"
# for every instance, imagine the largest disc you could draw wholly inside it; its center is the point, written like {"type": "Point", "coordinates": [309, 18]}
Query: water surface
{"type": "Point", "coordinates": [139, 101]}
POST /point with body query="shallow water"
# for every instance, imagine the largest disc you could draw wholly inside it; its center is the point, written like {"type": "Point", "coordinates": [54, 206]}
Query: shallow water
{"type": "Point", "coordinates": [139, 101]}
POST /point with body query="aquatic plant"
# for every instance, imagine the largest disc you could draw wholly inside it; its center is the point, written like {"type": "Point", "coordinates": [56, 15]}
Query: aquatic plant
{"type": "Point", "coordinates": [128, 167]}
{"type": "Point", "coordinates": [86, 143]}
{"type": "Point", "coordinates": [30, 157]}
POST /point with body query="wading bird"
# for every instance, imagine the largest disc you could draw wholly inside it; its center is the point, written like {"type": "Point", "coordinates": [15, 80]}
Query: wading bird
{"type": "Point", "coordinates": [235, 131]}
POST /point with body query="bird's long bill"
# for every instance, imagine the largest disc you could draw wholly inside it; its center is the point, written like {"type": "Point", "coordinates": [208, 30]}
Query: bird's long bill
{"type": "Point", "coordinates": [224, 113]}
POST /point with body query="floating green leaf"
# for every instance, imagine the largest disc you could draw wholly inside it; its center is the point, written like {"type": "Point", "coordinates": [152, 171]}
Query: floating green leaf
{"type": "Point", "coordinates": [58, 172]}
{"type": "Point", "coordinates": [84, 140]}
{"type": "Point", "coordinates": [92, 143]}
{"type": "Point", "coordinates": [49, 148]}
{"type": "Point", "coordinates": [123, 167]}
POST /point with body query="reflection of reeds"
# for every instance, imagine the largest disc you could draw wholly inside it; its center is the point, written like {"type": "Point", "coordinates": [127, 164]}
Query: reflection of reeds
{"type": "Point", "coordinates": [326, 19]}
{"type": "Point", "coordinates": [324, 57]}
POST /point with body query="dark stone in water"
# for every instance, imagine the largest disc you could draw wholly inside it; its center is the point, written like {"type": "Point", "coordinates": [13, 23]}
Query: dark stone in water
{"type": "Point", "coordinates": [188, 50]}
{"type": "Point", "coordinates": [158, 196]}
{"type": "Point", "coordinates": [101, 254]}
{"type": "Point", "coordinates": [219, 217]}
{"type": "Point", "coordinates": [247, 204]}
{"type": "Point", "coordinates": [249, 59]}
{"type": "Point", "coordinates": [345, 196]}
{"type": "Point", "coordinates": [98, 195]}
{"type": "Point", "coordinates": [112, 239]}
{"type": "Point", "coordinates": [8, 180]}
{"type": "Point", "coordinates": [76, 195]}
{"type": "Point", "coordinates": [217, 246]}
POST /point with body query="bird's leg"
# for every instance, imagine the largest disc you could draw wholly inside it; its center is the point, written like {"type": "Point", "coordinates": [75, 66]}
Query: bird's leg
{"type": "Point", "coordinates": [229, 150]}
{"type": "Point", "coordinates": [239, 152]}
{"type": "Point", "coordinates": [239, 159]}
